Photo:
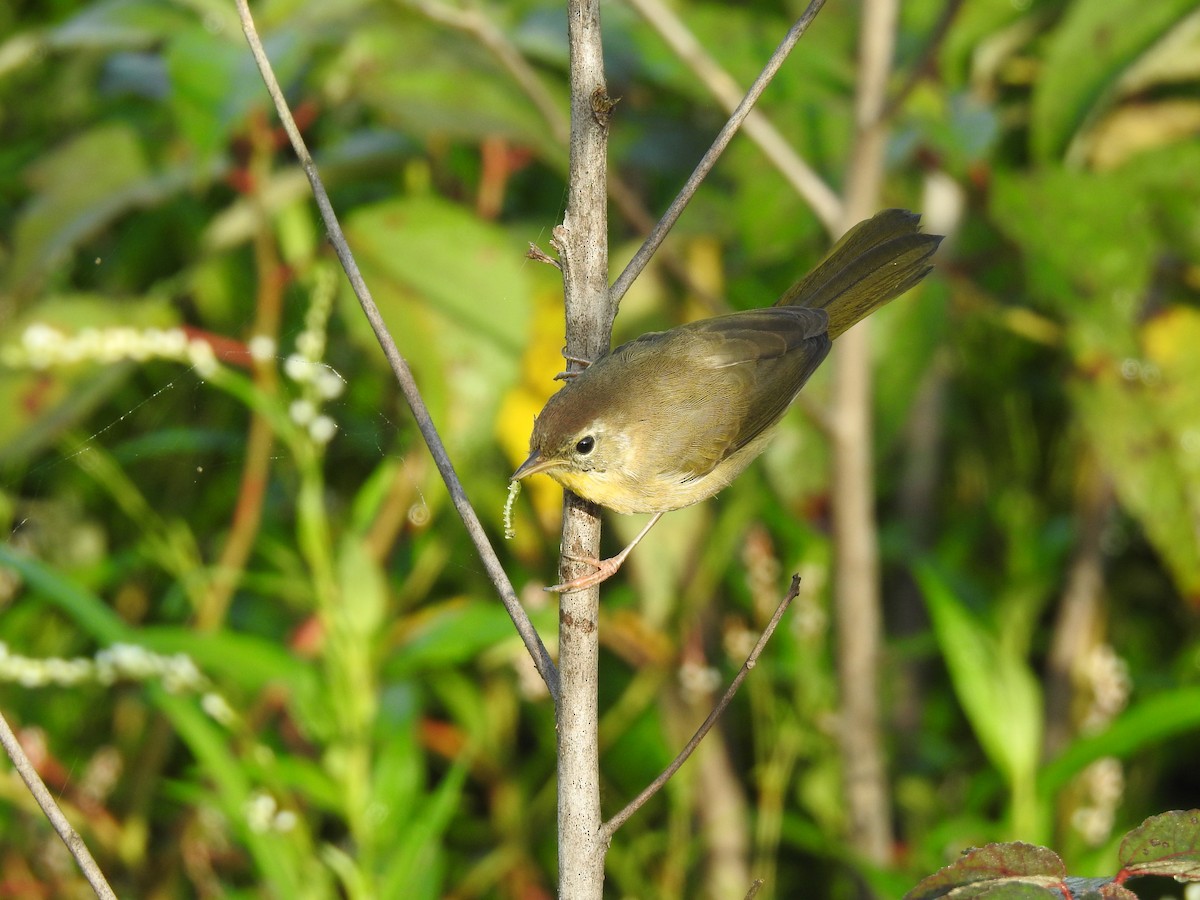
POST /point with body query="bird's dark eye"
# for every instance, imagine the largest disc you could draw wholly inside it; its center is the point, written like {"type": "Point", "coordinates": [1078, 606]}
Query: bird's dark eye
{"type": "Point", "coordinates": [585, 445]}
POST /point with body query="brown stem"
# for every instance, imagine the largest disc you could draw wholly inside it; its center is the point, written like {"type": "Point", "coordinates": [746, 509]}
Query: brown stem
{"type": "Point", "coordinates": [260, 439]}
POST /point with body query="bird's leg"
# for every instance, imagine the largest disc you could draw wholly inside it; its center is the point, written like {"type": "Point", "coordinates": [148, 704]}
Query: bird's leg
{"type": "Point", "coordinates": [605, 568]}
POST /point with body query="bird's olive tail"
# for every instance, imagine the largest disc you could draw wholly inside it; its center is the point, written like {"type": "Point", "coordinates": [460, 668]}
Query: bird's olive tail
{"type": "Point", "coordinates": [874, 262]}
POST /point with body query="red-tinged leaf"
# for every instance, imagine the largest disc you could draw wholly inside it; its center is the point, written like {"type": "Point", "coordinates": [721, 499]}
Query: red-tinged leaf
{"type": "Point", "coordinates": [1167, 844]}
{"type": "Point", "coordinates": [1034, 888]}
{"type": "Point", "coordinates": [993, 867]}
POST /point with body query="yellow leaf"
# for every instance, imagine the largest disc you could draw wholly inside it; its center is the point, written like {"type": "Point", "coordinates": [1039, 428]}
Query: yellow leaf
{"type": "Point", "coordinates": [540, 362]}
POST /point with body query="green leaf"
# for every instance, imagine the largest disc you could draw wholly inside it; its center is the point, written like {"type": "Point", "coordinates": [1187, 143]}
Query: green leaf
{"type": "Point", "coordinates": [997, 690]}
{"type": "Point", "coordinates": [1148, 722]}
{"type": "Point", "coordinates": [80, 188]}
{"type": "Point", "coordinates": [448, 634]}
{"type": "Point", "coordinates": [1167, 844]}
{"type": "Point", "coordinates": [454, 291]}
{"type": "Point", "coordinates": [119, 23]}
{"type": "Point", "coordinates": [91, 613]}
{"type": "Point", "coordinates": [1093, 47]}
{"type": "Point", "coordinates": [428, 81]}
{"type": "Point", "coordinates": [417, 869]}
{"type": "Point", "coordinates": [1143, 416]}
{"type": "Point", "coordinates": [1053, 213]}
{"type": "Point", "coordinates": [247, 660]}
{"type": "Point", "coordinates": [208, 743]}
{"type": "Point", "coordinates": [279, 858]}
{"type": "Point", "coordinates": [362, 587]}
{"type": "Point", "coordinates": [214, 83]}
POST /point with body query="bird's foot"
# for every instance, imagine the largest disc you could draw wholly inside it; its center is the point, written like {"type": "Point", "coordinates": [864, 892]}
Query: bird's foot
{"type": "Point", "coordinates": [605, 569]}
{"type": "Point", "coordinates": [577, 360]}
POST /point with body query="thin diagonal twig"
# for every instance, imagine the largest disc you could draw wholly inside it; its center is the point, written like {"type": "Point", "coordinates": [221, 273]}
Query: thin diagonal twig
{"type": "Point", "coordinates": [671, 216]}
{"type": "Point", "coordinates": [69, 835]}
{"type": "Point", "coordinates": [401, 370]}
{"type": "Point", "coordinates": [806, 182]}
{"type": "Point", "coordinates": [610, 827]}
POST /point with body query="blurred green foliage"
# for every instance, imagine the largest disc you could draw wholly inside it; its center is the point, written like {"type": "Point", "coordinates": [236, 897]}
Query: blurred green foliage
{"type": "Point", "coordinates": [365, 722]}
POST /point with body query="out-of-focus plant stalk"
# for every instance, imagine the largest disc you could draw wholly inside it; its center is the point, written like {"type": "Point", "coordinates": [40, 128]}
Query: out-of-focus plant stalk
{"type": "Point", "coordinates": [855, 530]}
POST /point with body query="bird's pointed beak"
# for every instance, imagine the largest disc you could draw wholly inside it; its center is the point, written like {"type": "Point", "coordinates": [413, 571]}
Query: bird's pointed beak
{"type": "Point", "coordinates": [536, 463]}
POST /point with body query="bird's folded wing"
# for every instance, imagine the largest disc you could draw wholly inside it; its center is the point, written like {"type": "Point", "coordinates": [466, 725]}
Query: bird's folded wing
{"type": "Point", "coordinates": [745, 370]}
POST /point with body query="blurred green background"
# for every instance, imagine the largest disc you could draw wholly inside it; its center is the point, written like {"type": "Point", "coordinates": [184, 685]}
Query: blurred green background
{"type": "Point", "coordinates": [204, 462]}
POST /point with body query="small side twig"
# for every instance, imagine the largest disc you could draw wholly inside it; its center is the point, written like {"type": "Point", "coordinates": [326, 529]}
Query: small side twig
{"type": "Point", "coordinates": [404, 377]}
{"type": "Point", "coordinates": [671, 216]}
{"type": "Point", "coordinates": [537, 254]}
{"type": "Point", "coordinates": [69, 835]}
{"type": "Point", "coordinates": [609, 828]}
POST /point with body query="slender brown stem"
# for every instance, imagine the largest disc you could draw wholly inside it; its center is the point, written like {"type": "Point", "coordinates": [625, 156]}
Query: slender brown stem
{"type": "Point", "coordinates": [671, 216]}
{"type": "Point", "coordinates": [69, 835]}
{"type": "Point", "coordinates": [260, 437]}
{"type": "Point", "coordinates": [401, 370]}
{"type": "Point", "coordinates": [610, 827]}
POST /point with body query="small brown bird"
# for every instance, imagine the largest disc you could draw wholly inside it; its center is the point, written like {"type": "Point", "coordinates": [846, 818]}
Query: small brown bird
{"type": "Point", "coordinates": [670, 418]}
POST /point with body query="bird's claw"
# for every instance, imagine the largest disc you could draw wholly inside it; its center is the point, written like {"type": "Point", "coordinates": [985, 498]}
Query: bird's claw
{"type": "Point", "coordinates": [577, 360]}
{"type": "Point", "coordinates": [605, 569]}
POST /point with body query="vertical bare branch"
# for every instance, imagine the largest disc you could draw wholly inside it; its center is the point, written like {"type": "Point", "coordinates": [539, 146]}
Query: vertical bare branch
{"type": "Point", "coordinates": [69, 835]}
{"type": "Point", "coordinates": [855, 530]}
{"type": "Point", "coordinates": [582, 244]}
